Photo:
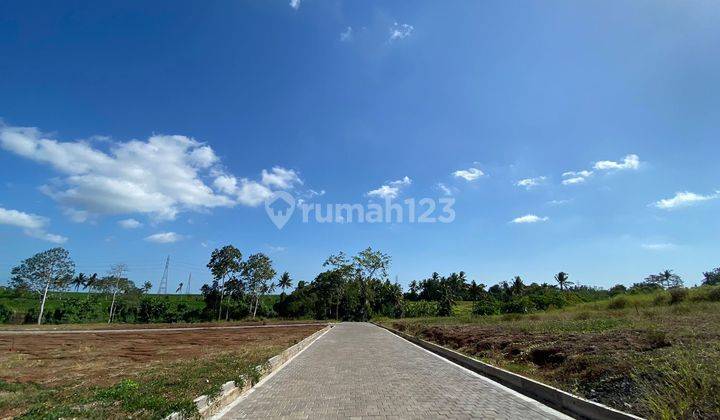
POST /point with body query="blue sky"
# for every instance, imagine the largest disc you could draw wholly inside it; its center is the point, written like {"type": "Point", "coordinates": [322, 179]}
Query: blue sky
{"type": "Point", "coordinates": [330, 100]}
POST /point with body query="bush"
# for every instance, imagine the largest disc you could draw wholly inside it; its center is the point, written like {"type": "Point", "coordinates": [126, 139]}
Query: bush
{"type": "Point", "coordinates": [661, 299]}
{"type": "Point", "coordinates": [705, 293]}
{"type": "Point", "coordinates": [678, 294]}
{"type": "Point", "coordinates": [5, 314]}
{"type": "Point", "coordinates": [419, 309]}
{"type": "Point", "coordinates": [518, 305]}
{"type": "Point", "coordinates": [618, 302]}
{"type": "Point", "coordinates": [487, 306]}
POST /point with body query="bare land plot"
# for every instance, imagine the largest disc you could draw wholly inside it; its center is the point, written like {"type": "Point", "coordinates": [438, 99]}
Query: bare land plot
{"type": "Point", "coordinates": [117, 374]}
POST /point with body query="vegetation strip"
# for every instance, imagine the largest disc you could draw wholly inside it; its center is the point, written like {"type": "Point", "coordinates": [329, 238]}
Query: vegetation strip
{"type": "Point", "coordinates": [558, 399]}
{"type": "Point", "coordinates": [231, 391]}
{"type": "Point", "coordinates": [164, 330]}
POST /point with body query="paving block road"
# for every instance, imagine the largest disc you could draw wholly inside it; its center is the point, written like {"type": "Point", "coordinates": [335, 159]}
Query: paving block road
{"type": "Point", "coordinates": [359, 370]}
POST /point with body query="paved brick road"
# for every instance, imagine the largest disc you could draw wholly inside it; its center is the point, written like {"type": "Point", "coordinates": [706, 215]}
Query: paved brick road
{"type": "Point", "coordinates": [359, 370]}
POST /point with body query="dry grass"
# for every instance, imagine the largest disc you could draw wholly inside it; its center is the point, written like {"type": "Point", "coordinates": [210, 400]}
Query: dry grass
{"type": "Point", "coordinates": [615, 353]}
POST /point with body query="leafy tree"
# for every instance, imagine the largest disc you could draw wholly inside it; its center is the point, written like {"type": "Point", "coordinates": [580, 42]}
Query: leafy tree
{"type": "Point", "coordinates": [257, 271]}
{"type": "Point", "coordinates": [90, 284]}
{"type": "Point", "coordinates": [146, 287]}
{"type": "Point", "coordinates": [114, 283]}
{"type": "Point", "coordinates": [224, 263]}
{"type": "Point", "coordinates": [51, 269]}
{"type": "Point", "coordinates": [562, 279]}
{"type": "Point", "coordinates": [711, 278]}
{"type": "Point", "coordinates": [666, 279]}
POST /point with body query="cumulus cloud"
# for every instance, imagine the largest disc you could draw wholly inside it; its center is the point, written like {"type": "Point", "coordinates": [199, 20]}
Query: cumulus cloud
{"type": "Point", "coordinates": [129, 224]}
{"type": "Point", "coordinates": [684, 199]}
{"type": "Point", "coordinates": [529, 218]}
{"type": "Point", "coordinates": [631, 161]}
{"type": "Point", "coordinates": [400, 31]}
{"type": "Point", "coordinates": [530, 183]}
{"type": "Point", "coordinates": [468, 174]}
{"type": "Point", "coordinates": [281, 178]}
{"type": "Point", "coordinates": [390, 190]}
{"type": "Point", "coordinates": [32, 224]}
{"type": "Point", "coordinates": [160, 176]}
{"type": "Point", "coordinates": [164, 238]}
{"type": "Point", "coordinates": [295, 4]}
{"type": "Point", "coordinates": [575, 177]}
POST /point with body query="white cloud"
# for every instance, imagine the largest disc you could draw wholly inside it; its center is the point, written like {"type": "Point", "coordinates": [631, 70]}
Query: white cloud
{"type": "Point", "coordinates": [468, 174]}
{"type": "Point", "coordinates": [129, 224]}
{"type": "Point", "coordinates": [33, 225]}
{"type": "Point", "coordinates": [575, 177]}
{"type": "Point", "coordinates": [400, 31]}
{"type": "Point", "coordinates": [391, 190]}
{"type": "Point", "coordinates": [529, 183]}
{"type": "Point", "coordinates": [684, 199]}
{"type": "Point", "coordinates": [658, 246]}
{"type": "Point", "coordinates": [529, 218]}
{"type": "Point", "coordinates": [295, 4]}
{"type": "Point", "coordinates": [161, 176]}
{"type": "Point", "coordinates": [347, 34]}
{"type": "Point", "coordinates": [164, 238]}
{"type": "Point", "coordinates": [281, 178]}
{"type": "Point", "coordinates": [444, 189]}
{"type": "Point", "coordinates": [629, 162]}
{"type": "Point", "coordinates": [558, 202]}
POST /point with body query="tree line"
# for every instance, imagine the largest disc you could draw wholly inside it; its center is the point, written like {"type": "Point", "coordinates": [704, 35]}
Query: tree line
{"type": "Point", "coordinates": [353, 287]}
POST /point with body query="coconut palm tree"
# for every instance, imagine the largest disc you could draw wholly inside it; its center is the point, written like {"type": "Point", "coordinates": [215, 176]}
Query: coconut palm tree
{"type": "Point", "coordinates": [78, 281]}
{"type": "Point", "coordinates": [517, 286]}
{"type": "Point", "coordinates": [562, 279]}
{"type": "Point", "coordinates": [285, 281]}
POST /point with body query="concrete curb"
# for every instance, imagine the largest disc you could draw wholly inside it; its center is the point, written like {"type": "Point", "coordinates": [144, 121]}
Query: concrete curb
{"type": "Point", "coordinates": [558, 399]}
{"type": "Point", "coordinates": [207, 406]}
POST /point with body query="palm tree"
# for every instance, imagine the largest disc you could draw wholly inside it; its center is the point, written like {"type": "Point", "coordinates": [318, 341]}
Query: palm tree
{"type": "Point", "coordinates": [285, 281]}
{"type": "Point", "coordinates": [90, 283]}
{"type": "Point", "coordinates": [78, 281]}
{"type": "Point", "coordinates": [562, 279]}
{"type": "Point", "coordinates": [517, 286]}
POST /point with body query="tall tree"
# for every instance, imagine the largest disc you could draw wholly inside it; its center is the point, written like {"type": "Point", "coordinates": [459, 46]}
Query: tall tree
{"type": "Point", "coordinates": [224, 262]}
{"type": "Point", "coordinates": [711, 278]}
{"type": "Point", "coordinates": [666, 279]}
{"type": "Point", "coordinates": [78, 281]}
{"type": "Point", "coordinates": [257, 271]}
{"type": "Point", "coordinates": [285, 281]}
{"type": "Point", "coordinates": [117, 276]}
{"type": "Point", "coordinates": [517, 286]}
{"type": "Point", "coordinates": [562, 279]}
{"type": "Point", "coordinates": [51, 269]}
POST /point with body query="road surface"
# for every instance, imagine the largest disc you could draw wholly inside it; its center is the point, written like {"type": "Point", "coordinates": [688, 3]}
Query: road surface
{"type": "Point", "coordinates": [359, 370]}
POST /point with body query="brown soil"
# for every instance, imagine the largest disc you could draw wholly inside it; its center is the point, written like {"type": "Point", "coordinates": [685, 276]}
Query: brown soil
{"type": "Point", "coordinates": [101, 358]}
{"type": "Point", "coordinates": [596, 365]}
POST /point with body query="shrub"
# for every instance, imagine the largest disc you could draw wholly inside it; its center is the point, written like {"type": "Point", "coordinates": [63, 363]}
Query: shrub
{"type": "Point", "coordinates": [661, 299]}
{"type": "Point", "coordinates": [419, 309]}
{"type": "Point", "coordinates": [678, 294]}
{"type": "Point", "coordinates": [618, 302]}
{"type": "Point", "coordinates": [518, 305]}
{"type": "Point", "coordinates": [5, 314]}
{"type": "Point", "coordinates": [486, 306]}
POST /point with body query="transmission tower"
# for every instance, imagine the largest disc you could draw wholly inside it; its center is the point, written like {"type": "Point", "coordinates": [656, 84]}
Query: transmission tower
{"type": "Point", "coordinates": [187, 289]}
{"type": "Point", "coordinates": [162, 290]}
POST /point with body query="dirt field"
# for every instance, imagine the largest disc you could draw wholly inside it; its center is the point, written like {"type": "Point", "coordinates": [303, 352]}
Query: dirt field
{"type": "Point", "coordinates": [91, 361]}
{"type": "Point", "coordinates": [654, 361]}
